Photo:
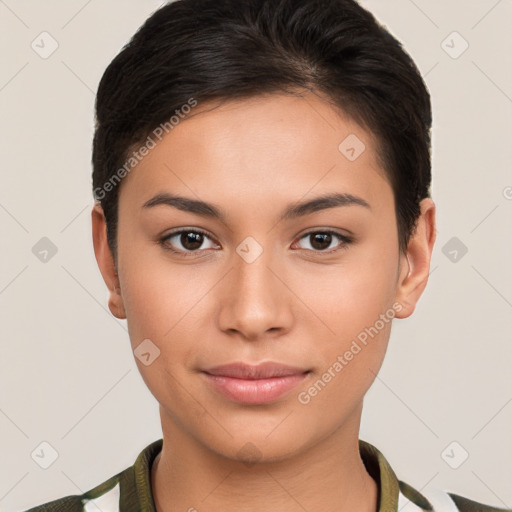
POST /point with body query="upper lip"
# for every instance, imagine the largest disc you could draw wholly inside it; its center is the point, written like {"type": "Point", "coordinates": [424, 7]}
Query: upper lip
{"type": "Point", "coordinates": [264, 370]}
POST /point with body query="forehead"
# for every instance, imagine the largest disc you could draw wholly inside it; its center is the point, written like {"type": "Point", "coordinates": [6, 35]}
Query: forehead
{"type": "Point", "coordinates": [283, 145]}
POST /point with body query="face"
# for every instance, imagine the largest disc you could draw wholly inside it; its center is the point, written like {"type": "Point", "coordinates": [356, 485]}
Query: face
{"type": "Point", "coordinates": [252, 277]}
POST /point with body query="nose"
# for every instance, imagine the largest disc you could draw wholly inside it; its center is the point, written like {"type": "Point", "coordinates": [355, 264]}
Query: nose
{"type": "Point", "coordinates": [254, 300]}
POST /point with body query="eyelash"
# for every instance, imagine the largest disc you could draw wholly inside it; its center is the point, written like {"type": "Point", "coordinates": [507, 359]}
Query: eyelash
{"type": "Point", "coordinates": [164, 241]}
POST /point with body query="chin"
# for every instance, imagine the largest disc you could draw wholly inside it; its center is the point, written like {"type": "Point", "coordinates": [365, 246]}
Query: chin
{"type": "Point", "coordinates": [256, 448]}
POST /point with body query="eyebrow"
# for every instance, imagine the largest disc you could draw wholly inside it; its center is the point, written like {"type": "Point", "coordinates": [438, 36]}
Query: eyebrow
{"type": "Point", "coordinates": [293, 210]}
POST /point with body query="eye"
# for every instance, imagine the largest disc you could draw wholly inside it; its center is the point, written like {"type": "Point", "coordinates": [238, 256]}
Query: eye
{"type": "Point", "coordinates": [322, 241]}
{"type": "Point", "coordinates": [191, 241]}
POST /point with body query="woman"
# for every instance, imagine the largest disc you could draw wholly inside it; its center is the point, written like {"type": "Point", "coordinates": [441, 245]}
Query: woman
{"type": "Point", "coordinates": [262, 175]}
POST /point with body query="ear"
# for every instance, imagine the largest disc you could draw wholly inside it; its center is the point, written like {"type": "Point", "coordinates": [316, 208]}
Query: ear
{"type": "Point", "coordinates": [106, 263]}
{"type": "Point", "coordinates": [414, 266]}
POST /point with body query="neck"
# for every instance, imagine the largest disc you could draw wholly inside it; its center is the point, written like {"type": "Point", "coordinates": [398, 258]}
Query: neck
{"type": "Point", "coordinates": [329, 477]}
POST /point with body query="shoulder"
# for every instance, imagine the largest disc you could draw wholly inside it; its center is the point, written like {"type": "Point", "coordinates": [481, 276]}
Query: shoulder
{"type": "Point", "coordinates": [437, 500]}
{"type": "Point", "coordinates": [467, 505]}
{"type": "Point", "coordinates": [105, 495]}
{"type": "Point", "coordinates": [67, 504]}
{"type": "Point", "coordinates": [131, 488]}
{"type": "Point", "coordinates": [396, 495]}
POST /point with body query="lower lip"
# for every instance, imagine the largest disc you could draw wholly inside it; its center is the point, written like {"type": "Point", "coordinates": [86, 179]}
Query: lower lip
{"type": "Point", "coordinates": [255, 391]}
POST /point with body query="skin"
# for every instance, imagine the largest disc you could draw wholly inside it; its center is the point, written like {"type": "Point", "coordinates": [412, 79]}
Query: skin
{"type": "Point", "coordinates": [294, 304]}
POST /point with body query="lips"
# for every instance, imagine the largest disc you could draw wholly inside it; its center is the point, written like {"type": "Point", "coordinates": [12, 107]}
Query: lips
{"type": "Point", "coordinates": [247, 384]}
{"type": "Point", "coordinates": [265, 370]}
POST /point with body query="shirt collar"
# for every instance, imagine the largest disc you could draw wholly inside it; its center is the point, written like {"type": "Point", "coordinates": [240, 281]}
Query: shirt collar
{"type": "Point", "coordinates": [136, 492]}
{"type": "Point", "coordinates": [380, 470]}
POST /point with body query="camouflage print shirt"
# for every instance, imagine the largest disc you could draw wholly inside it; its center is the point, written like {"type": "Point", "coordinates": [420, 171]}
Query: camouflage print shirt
{"type": "Point", "coordinates": [130, 490]}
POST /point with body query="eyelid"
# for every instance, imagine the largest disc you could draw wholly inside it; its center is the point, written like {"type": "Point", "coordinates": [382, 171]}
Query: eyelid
{"type": "Point", "coordinates": [345, 239]}
{"type": "Point", "coordinates": [163, 241]}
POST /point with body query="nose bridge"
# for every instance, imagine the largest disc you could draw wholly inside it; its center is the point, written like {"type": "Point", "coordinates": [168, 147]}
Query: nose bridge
{"type": "Point", "coordinates": [252, 270]}
{"type": "Point", "coordinates": [254, 299]}
{"type": "Point", "coordinates": [253, 279]}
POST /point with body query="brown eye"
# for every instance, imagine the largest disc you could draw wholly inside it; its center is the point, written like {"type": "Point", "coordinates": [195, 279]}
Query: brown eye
{"type": "Point", "coordinates": [190, 240]}
{"type": "Point", "coordinates": [187, 241]}
{"type": "Point", "coordinates": [322, 241]}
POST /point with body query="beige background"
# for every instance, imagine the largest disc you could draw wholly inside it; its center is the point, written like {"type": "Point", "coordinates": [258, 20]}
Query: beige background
{"type": "Point", "coordinates": [67, 376]}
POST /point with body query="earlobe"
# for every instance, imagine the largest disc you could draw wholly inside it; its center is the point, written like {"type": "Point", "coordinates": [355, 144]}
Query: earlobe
{"type": "Point", "coordinates": [106, 262]}
{"type": "Point", "coordinates": [415, 272]}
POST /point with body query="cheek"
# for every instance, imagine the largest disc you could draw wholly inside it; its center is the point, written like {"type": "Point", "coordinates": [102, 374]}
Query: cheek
{"type": "Point", "coordinates": [167, 304]}
{"type": "Point", "coordinates": [162, 306]}
{"type": "Point", "coordinates": [355, 301]}
{"type": "Point", "coordinates": [156, 294]}
{"type": "Point", "coordinates": [351, 295]}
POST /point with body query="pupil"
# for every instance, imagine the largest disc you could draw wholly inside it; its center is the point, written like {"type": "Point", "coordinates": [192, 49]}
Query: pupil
{"type": "Point", "coordinates": [191, 240]}
{"type": "Point", "coordinates": [321, 237]}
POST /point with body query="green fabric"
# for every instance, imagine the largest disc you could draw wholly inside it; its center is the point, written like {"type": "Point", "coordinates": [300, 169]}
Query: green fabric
{"type": "Point", "coordinates": [69, 504]}
{"type": "Point", "coordinates": [472, 506]}
{"type": "Point", "coordinates": [379, 469]}
{"type": "Point", "coordinates": [136, 495]}
{"type": "Point", "coordinates": [101, 489]}
{"type": "Point", "coordinates": [414, 496]}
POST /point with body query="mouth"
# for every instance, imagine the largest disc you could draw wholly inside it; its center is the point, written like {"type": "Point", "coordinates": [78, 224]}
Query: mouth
{"type": "Point", "coordinates": [248, 384]}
